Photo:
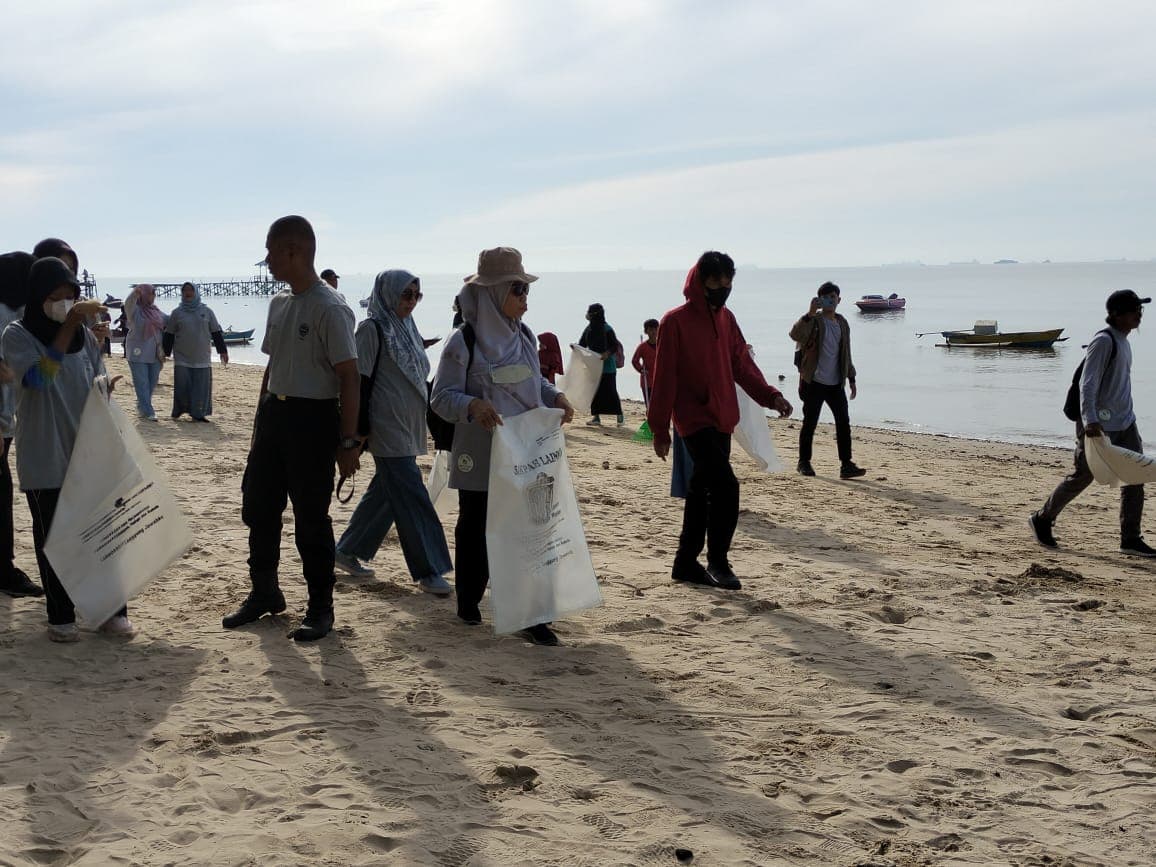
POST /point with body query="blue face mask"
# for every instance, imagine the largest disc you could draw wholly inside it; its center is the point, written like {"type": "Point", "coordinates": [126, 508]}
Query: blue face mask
{"type": "Point", "coordinates": [828, 301]}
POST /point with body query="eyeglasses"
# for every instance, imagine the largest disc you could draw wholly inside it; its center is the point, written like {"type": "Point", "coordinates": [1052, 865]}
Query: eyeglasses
{"type": "Point", "coordinates": [519, 289]}
{"type": "Point", "coordinates": [410, 295]}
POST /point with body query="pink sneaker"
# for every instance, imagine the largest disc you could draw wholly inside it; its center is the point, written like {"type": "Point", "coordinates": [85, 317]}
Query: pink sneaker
{"type": "Point", "coordinates": [118, 625]}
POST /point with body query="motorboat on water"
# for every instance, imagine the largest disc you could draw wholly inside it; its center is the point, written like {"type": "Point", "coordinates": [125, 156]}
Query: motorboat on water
{"type": "Point", "coordinates": [880, 304]}
{"type": "Point", "coordinates": [237, 338]}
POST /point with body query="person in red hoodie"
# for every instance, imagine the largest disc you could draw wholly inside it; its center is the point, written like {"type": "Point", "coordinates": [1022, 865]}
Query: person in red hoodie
{"type": "Point", "coordinates": [701, 355]}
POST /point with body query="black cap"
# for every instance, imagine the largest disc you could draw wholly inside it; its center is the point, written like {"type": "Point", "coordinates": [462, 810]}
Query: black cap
{"type": "Point", "coordinates": [329, 272]}
{"type": "Point", "coordinates": [1125, 301]}
{"type": "Point", "coordinates": [49, 274]}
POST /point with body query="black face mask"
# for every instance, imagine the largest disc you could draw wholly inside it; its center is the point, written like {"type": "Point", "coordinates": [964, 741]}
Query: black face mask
{"type": "Point", "coordinates": [718, 297]}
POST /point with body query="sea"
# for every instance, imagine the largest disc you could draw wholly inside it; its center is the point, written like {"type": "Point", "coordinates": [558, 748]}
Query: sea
{"type": "Point", "coordinates": [906, 382]}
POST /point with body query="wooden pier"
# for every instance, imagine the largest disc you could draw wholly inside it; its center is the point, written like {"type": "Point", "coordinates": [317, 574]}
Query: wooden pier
{"type": "Point", "coordinates": [261, 285]}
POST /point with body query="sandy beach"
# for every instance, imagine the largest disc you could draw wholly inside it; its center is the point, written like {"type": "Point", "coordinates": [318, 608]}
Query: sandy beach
{"type": "Point", "coordinates": [905, 679]}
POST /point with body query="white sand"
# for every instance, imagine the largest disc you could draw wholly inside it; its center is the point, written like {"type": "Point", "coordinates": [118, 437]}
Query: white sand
{"type": "Point", "coordinates": [898, 683]}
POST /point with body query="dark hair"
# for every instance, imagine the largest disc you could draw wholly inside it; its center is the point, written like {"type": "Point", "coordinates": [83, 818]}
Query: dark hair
{"type": "Point", "coordinates": [188, 283]}
{"type": "Point", "coordinates": [294, 227]}
{"type": "Point", "coordinates": [650, 323]}
{"type": "Point", "coordinates": [715, 264]}
{"type": "Point", "coordinates": [829, 288]}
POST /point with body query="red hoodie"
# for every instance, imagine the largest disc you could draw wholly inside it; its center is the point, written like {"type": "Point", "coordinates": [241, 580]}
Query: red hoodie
{"type": "Point", "coordinates": [701, 355]}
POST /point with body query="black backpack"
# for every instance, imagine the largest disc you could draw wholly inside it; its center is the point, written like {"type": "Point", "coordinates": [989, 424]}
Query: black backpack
{"type": "Point", "coordinates": [1072, 401]}
{"type": "Point", "coordinates": [440, 430]}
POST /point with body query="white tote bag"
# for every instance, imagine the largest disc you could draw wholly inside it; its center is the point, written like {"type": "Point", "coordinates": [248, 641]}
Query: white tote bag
{"type": "Point", "coordinates": [437, 486]}
{"type": "Point", "coordinates": [582, 381]}
{"type": "Point", "coordinates": [540, 567]}
{"type": "Point", "coordinates": [117, 524]}
{"type": "Point", "coordinates": [753, 435]}
{"type": "Point", "coordinates": [1115, 465]}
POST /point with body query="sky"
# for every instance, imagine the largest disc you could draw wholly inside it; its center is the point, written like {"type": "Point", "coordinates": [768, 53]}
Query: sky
{"type": "Point", "coordinates": [163, 138]}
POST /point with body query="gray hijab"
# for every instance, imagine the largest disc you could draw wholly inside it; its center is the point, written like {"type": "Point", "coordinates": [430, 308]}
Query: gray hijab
{"type": "Point", "coordinates": [400, 338]}
{"type": "Point", "coordinates": [503, 341]}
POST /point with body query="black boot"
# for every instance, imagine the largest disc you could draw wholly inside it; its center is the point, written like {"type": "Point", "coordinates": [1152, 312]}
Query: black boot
{"type": "Point", "coordinates": [256, 605]}
{"type": "Point", "coordinates": [316, 625]}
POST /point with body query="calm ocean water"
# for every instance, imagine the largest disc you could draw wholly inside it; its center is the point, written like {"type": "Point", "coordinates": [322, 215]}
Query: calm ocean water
{"type": "Point", "coordinates": [905, 383]}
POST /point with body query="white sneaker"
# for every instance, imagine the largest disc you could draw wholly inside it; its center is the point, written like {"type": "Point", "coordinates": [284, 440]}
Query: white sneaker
{"type": "Point", "coordinates": [351, 565]}
{"type": "Point", "coordinates": [118, 625]}
{"type": "Point", "coordinates": [63, 633]}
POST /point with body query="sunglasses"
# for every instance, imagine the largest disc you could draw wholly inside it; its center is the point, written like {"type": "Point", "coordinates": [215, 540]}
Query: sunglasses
{"type": "Point", "coordinates": [519, 289]}
{"type": "Point", "coordinates": [410, 295]}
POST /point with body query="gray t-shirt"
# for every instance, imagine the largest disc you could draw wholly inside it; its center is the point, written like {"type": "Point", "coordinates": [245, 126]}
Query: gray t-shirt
{"type": "Point", "coordinates": [397, 409]}
{"type": "Point", "coordinates": [47, 419]}
{"type": "Point", "coordinates": [192, 346]}
{"type": "Point", "coordinates": [305, 337]}
{"type": "Point", "coordinates": [827, 371]}
{"type": "Point", "coordinates": [7, 390]}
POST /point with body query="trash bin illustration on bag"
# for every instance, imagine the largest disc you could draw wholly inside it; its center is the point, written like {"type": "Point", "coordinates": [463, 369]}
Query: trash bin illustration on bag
{"type": "Point", "coordinates": [540, 498]}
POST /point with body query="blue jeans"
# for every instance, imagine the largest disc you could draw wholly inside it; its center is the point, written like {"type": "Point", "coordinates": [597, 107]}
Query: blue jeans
{"type": "Point", "coordinates": [397, 494]}
{"type": "Point", "coordinates": [144, 379]}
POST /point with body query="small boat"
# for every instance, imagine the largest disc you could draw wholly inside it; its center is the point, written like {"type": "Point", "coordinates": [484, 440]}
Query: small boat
{"type": "Point", "coordinates": [237, 338]}
{"type": "Point", "coordinates": [878, 304]}
{"type": "Point", "coordinates": [986, 333]}
{"type": "Point", "coordinates": [112, 301]}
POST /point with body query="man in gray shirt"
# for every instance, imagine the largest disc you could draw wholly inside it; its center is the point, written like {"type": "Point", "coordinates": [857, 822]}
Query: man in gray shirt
{"type": "Point", "coordinates": [1105, 410]}
{"type": "Point", "coordinates": [306, 419]}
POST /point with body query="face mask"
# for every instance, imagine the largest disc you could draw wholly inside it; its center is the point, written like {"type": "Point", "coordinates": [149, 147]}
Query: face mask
{"type": "Point", "coordinates": [718, 297]}
{"type": "Point", "coordinates": [57, 311]}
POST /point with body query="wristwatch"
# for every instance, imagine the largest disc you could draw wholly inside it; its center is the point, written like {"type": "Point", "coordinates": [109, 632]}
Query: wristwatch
{"type": "Point", "coordinates": [349, 443]}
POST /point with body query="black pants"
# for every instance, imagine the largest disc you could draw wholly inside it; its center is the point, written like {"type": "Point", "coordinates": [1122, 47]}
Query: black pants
{"type": "Point", "coordinates": [7, 527]}
{"type": "Point", "coordinates": [42, 505]}
{"type": "Point", "coordinates": [471, 564]}
{"type": "Point", "coordinates": [711, 512]}
{"type": "Point", "coordinates": [814, 395]}
{"type": "Point", "coordinates": [293, 454]}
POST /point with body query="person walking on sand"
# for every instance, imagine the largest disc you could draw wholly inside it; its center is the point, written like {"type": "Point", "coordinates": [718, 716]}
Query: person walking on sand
{"type": "Point", "coordinates": [824, 340]}
{"type": "Point", "coordinates": [600, 337]}
{"type": "Point", "coordinates": [144, 345]}
{"type": "Point", "coordinates": [393, 365]}
{"type": "Point", "coordinates": [1105, 410]}
{"type": "Point", "coordinates": [14, 268]}
{"type": "Point", "coordinates": [701, 356]}
{"type": "Point", "coordinates": [190, 334]}
{"type": "Point", "coordinates": [53, 357]}
{"type": "Point", "coordinates": [306, 419]}
{"type": "Point", "coordinates": [489, 368]}
{"type": "Point", "coordinates": [643, 358]}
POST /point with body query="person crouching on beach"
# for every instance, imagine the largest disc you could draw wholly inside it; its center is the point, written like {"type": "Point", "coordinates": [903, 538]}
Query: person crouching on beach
{"type": "Point", "coordinates": [306, 420]}
{"type": "Point", "coordinates": [701, 355]}
{"type": "Point", "coordinates": [393, 365]}
{"type": "Point", "coordinates": [824, 341]}
{"type": "Point", "coordinates": [53, 358]}
{"type": "Point", "coordinates": [1105, 411]}
{"type": "Point", "coordinates": [489, 368]}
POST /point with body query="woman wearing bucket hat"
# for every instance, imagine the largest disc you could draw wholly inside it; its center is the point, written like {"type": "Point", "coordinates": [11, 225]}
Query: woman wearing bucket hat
{"type": "Point", "coordinates": [489, 368]}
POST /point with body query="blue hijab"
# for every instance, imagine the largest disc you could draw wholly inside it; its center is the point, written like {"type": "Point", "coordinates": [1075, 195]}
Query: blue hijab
{"type": "Point", "coordinates": [400, 337]}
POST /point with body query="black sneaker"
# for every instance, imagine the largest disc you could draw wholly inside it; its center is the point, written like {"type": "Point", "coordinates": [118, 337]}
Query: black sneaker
{"type": "Point", "coordinates": [17, 584]}
{"type": "Point", "coordinates": [254, 608]}
{"type": "Point", "coordinates": [1042, 530]}
{"type": "Point", "coordinates": [689, 572]}
{"type": "Point", "coordinates": [315, 626]}
{"type": "Point", "coordinates": [850, 471]}
{"type": "Point", "coordinates": [805, 468]}
{"type": "Point", "coordinates": [1137, 548]}
{"type": "Point", "coordinates": [723, 577]}
{"type": "Point", "coordinates": [541, 635]}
